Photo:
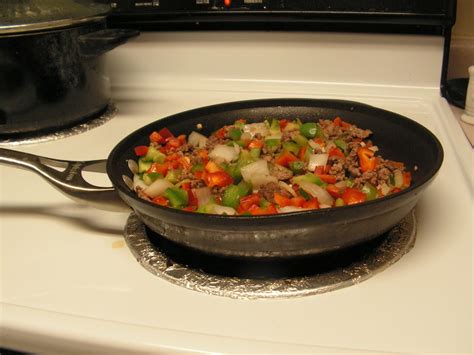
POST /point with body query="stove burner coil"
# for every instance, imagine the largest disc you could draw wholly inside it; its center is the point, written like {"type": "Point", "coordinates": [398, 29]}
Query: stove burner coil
{"type": "Point", "coordinates": [257, 279]}
{"type": "Point", "coordinates": [33, 138]}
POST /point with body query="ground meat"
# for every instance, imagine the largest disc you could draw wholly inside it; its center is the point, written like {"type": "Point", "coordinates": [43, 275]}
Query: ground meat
{"type": "Point", "coordinates": [368, 176]}
{"type": "Point", "coordinates": [280, 172]}
{"type": "Point", "coordinates": [331, 131]}
{"type": "Point", "coordinates": [383, 174]}
{"type": "Point", "coordinates": [213, 141]}
{"type": "Point", "coordinates": [268, 191]}
{"type": "Point", "coordinates": [337, 167]}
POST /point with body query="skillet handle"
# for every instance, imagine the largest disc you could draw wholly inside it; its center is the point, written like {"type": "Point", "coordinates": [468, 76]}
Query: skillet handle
{"type": "Point", "coordinates": [69, 181]}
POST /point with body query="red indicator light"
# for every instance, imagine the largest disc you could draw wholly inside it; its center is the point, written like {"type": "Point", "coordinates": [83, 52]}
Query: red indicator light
{"type": "Point", "coordinates": [227, 3]}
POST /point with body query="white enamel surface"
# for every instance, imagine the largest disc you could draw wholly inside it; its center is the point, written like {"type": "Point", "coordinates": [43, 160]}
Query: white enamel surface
{"type": "Point", "coordinates": [68, 282]}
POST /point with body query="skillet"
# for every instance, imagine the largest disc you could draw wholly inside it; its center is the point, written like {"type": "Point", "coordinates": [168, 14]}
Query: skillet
{"type": "Point", "coordinates": [271, 236]}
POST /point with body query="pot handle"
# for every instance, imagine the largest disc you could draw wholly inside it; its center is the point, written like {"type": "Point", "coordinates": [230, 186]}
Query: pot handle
{"type": "Point", "coordinates": [69, 181]}
{"type": "Point", "coordinates": [97, 43]}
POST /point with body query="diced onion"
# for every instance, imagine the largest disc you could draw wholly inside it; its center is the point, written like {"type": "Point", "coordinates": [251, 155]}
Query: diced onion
{"type": "Point", "coordinates": [157, 187]}
{"type": "Point", "coordinates": [287, 187]}
{"type": "Point", "coordinates": [385, 189]}
{"type": "Point", "coordinates": [273, 136]}
{"type": "Point", "coordinates": [203, 195]}
{"type": "Point", "coordinates": [257, 173]}
{"type": "Point", "coordinates": [341, 184]}
{"type": "Point", "coordinates": [374, 148]}
{"type": "Point", "coordinates": [398, 177]}
{"type": "Point", "coordinates": [256, 128]}
{"type": "Point", "coordinates": [225, 153]}
{"type": "Point", "coordinates": [321, 194]}
{"type": "Point", "coordinates": [138, 183]}
{"type": "Point", "coordinates": [317, 160]}
{"type": "Point", "coordinates": [218, 209]}
{"type": "Point", "coordinates": [288, 209]}
{"type": "Point", "coordinates": [196, 139]}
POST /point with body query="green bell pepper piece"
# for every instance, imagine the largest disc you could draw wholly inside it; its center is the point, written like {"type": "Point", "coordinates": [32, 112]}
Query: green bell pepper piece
{"type": "Point", "coordinates": [197, 167]}
{"type": "Point", "coordinates": [245, 188]}
{"type": "Point", "coordinates": [149, 178]}
{"type": "Point", "coordinates": [272, 144]}
{"type": "Point", "coordinates": [155, 155]}
{"type": "Point", "coordinates": [370, 191]}
{"type": "Point", "coordinates": [309, 178]}
{"type": "Point", "coordinates": [173, 175]}
{"type": "Point", "coordinates": [297, 166]}
{"type": "Point", "coordinates": [235, 134]}
{"type": "Point", "coordinates": [177, 196]}
{"type": "Point", "coordinates": [339, 202]}
{"type": "Point", "coordinates": [342, 145]}
{"type": "Point", "coordinates": [300, 140]}
{"type": "Point", "coordinates": [255, 153]}
{"type": "Point", "coordinates": [143, 165]}
{"type": "Point", "coordinates": [231, 196]}
{"type": "Point", "coordinates": [311, 130]}
{"type": "Point", "coordinates": [291, 147]}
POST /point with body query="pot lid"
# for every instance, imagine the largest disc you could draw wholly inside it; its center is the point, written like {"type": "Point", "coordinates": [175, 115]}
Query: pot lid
{"type": "Point", "coordinates": [18, 16]}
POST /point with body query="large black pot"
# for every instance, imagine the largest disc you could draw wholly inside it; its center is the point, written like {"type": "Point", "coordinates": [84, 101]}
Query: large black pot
{"type": "Point", "coordinates": [52, 70]}
{"type": "Point", "coordinates": [284, 235]}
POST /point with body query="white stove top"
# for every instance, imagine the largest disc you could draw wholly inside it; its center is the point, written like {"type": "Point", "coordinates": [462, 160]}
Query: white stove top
{"type": "Point", "coordinates": [68, 281]}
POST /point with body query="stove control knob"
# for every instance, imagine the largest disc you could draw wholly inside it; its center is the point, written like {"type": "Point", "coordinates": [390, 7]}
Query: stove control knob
{"type": "Point", "coordinates": [468, 115]}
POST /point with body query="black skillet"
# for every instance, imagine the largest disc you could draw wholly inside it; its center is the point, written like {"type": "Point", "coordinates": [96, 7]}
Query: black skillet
{"type": "Point", "coordinates": [283, 235]}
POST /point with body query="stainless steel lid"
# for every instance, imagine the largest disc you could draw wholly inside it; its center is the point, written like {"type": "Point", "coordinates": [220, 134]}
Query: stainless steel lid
{"type": "Point", "coordinates": [20, 16]}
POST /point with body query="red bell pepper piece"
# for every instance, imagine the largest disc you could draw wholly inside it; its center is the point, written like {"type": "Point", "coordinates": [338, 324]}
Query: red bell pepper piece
{"type": "Point", "coordinates": [333, 191]}
{"type": "Point", "coordinates": [165, 133]}
{"type": "Point", "coordinates": [185, 163]}
{"type": "Point", "coordinates": [212, 167]}
{"type": "Point", "coordinates": [339, 122]}
{"type": "Point", "coordinates": [367, 161]}
{"type": "Point", "coordinates": [255, 210]}
{"type": "Point", "coordinates": [190, 208]}
{"type": "Point", "coordinates": [330, 179]}
{"type": "Point", "coordinates": [159, 168]}
{"type": "Point", "coordinates": [160, 200]}
{"type": "Point", "coordinates": [192, 199]}
{"type": "Point", "coordinates": [247, 201]}
{"type": "Point", "coordinates": [285, 158]}
{"type": "Point", "coordinates": [352, 196]}
{"type": "Point", "coordinates": [141, 150]}
{"type": "Point", "coordinates": [322, 169]}
{"type": "Point", "coordinates": [406, 179]}
{"type": "Point", "coordinates": [173, 142]}
{"type": "Point", "coordinates": [219, 178]}
{"type": "Point", "coordinates": [255, 143]}
{"type": "Point", "coordinates": [336, 152]}
{"type": "Point", "coordinates": [302, 153]}
{"type": "Point", "coordinates": [283, 123]}
{"type": "Point", "coordinates": [298, 201]}
{"type": "Point", "coordinates": [281, 200]}
{"type": "Point", "coordinates": [311, 204]}
{"type": "Point", "coordinates": [182, 139]}
{"type": "Point", "coordinates": [221, 132]}
{"type": "Point", "coordinates": [155, 137]}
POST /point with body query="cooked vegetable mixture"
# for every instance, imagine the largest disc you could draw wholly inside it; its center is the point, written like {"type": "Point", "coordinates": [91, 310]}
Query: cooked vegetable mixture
{"type": "Point", "coordinates": [270, 167]}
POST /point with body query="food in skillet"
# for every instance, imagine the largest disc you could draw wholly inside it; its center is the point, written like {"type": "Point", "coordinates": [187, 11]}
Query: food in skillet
{"type": "Point", "coordinates": [270, 167]}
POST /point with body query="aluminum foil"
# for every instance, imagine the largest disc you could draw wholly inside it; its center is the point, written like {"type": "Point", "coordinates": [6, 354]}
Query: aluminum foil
{"type": "Point", "coordinates": [399, 241]}
{"type": "Point", "coordinates": [33, 138]}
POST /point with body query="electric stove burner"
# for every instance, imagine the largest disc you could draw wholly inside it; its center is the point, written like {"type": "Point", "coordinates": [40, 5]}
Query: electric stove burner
{"type": "Point", "coordinates": [257, 278]}
{"type": "Point", "coordinates": [40, 137]}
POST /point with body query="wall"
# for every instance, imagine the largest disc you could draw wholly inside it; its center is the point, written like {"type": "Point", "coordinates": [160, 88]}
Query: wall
{"type": "Point", "coordinates": [462, 43]}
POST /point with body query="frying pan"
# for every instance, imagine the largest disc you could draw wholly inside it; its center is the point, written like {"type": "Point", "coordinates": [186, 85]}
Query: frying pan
{"type": "Point", "coordinates": [272, 236]}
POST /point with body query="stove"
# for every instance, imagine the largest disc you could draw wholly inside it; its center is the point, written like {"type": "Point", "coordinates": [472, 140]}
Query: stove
{"type": "Point", "coordinates": [70, 276]}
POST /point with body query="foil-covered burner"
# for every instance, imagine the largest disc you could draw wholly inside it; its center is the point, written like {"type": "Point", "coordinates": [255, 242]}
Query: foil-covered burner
{"type": "Point", "coordinates": [262, 279]}
{"type": "Point", "coordinates": [41, 137]}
